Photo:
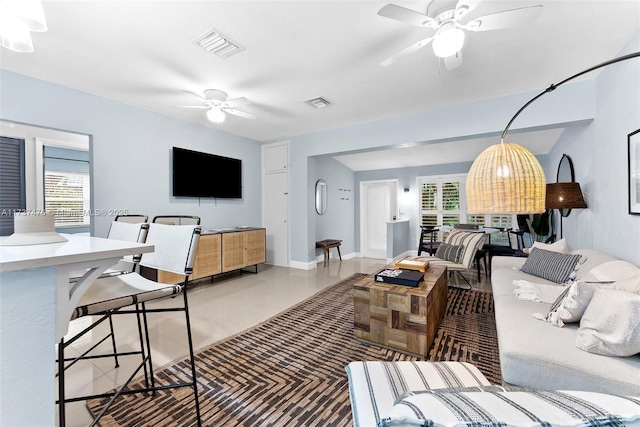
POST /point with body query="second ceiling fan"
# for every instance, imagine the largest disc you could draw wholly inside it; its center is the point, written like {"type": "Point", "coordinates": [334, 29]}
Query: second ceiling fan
{"type": "Point", "coordinates": [217, 103]}
{"type": "Point", "coordinates": [448, 39]}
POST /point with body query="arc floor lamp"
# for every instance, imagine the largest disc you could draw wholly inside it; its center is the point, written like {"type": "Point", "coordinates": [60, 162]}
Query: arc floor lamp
{"type": "Point", "coordinates": [506, 178]}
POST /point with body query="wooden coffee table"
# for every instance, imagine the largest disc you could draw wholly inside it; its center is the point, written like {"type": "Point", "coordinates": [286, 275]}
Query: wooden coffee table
{"type": "Point", "coordinates": [401, 317]}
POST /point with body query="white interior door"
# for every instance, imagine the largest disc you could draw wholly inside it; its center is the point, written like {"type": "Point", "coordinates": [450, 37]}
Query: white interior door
{"type": "Point", "coordinates": [276, 217]}
{"type": "Point", "coordinates": [379, 204]}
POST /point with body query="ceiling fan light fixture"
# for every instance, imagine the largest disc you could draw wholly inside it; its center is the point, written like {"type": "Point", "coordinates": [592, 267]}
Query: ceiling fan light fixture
{"type": "Point", "coordinates": [216, 115]}
{"type": "Point", "coordinates": [14, 33]}
{"type": "Point", "coordinates": [448, 42]}
{"type": "Point", "coordinates": [29, 11]}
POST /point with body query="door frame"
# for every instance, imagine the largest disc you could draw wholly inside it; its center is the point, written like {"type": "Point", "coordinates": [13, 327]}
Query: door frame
{"type": "Point", "coordinates": [362, 205]}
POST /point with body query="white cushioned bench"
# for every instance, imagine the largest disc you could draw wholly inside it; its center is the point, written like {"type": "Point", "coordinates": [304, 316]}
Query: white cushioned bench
{"type": "Point", "coordinates": [375, 386]}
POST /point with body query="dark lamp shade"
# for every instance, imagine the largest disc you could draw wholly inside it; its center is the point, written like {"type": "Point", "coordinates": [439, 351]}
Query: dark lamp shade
{"type": "Point", "coordinates": [564, 195]}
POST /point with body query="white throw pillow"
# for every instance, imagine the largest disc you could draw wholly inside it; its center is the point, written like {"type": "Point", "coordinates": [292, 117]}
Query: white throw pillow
{"type": "Point", "coordinates": [610, 325]}
{"type": "Point", "coordinates": [570, 305]}
{"type": "Point", "coordinates": [612, 271]}
{"type": "Point", "coordinates": [560, 246]}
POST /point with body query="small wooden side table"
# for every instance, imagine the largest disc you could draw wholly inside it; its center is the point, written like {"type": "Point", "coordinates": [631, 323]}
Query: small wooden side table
{"type": "Point", "coordinates": [327, 244]}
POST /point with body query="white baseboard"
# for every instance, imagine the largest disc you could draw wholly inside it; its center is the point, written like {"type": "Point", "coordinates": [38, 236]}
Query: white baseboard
{"type": "Point", "coordinates": [402, 255]}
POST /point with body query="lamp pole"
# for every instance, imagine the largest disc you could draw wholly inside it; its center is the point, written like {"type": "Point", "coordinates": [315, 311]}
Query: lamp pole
{"type": "Point", "coordinates": [553, 86]}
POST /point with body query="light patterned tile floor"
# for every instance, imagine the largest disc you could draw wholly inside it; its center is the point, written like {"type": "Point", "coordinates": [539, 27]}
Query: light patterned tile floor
{"type": "Point", "coordinates": [219, 308]}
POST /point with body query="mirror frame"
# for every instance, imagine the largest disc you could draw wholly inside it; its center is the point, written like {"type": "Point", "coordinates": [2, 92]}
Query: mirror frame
{"type": "Point", "coordinates": [321, 196]}
{"type": "Point", "coordinates": [565, 166]}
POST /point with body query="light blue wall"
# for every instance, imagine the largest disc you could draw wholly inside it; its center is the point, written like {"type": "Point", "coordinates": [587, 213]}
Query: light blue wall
{"type": "Point", "coordinates": [599, 154]}
{"type": "Point", "coordinates": [483, 118]}
{"type": "Point", "coordinates": [338, 221]}
{"type": "Point", "coordinates": [131, 150]}
{"type": "Point", "coordinates": [409, 203]}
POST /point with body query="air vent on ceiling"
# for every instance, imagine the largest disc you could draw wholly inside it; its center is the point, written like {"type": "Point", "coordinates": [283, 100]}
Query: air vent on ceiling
{"type": "Point", "coordinates": [318, 102]}
{"type": "Point", "coordinates": [218, 44]}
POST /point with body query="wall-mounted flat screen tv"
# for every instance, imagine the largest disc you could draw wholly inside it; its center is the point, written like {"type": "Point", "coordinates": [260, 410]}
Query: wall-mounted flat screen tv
{"type": "Point", "coordinates": [197, 174]}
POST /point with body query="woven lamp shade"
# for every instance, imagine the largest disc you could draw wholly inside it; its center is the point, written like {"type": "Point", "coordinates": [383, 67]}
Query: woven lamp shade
{"type": "Point", "coordinates": [564, 195]}
{"type": "Point", "coordinates": [506, 179]}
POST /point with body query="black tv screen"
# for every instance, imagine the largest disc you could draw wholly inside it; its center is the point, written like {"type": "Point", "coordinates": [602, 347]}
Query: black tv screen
{"type": "Point", "coordinates": [197, 174]}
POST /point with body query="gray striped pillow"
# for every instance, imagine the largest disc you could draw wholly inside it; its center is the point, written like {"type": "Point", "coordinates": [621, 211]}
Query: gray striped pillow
{"type": "Point", "coordinates": [449, 252]}
{"type": "Point", "coordinates": [554, 266]}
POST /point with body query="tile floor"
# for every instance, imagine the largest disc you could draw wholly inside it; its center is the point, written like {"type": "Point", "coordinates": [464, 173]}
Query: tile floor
{"type": "Point", "coordinates": [218, 308]}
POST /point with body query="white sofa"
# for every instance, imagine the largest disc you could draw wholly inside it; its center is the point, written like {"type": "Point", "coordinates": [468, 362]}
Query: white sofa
{"type": "Point", "coordinates": [536, 354]}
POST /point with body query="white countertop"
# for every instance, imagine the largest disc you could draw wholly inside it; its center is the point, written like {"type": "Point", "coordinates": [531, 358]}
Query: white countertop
{"type": "Point", "coordinates": [78, 248]}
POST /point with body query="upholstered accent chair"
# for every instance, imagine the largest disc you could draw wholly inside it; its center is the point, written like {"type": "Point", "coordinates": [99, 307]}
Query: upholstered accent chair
{"type": "Point", "coordinates": [460, 248]}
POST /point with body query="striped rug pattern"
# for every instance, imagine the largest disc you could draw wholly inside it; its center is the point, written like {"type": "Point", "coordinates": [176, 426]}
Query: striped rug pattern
{"type": "Point", "coordinates": [290, 369]}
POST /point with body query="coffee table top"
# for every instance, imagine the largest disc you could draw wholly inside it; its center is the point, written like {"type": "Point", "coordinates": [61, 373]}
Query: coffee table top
{"type": "Point", "coordinates": [431, 276]}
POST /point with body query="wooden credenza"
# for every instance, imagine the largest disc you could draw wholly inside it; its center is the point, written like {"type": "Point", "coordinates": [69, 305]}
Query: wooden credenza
{"type": "Point", "coordinates": [224, 251]}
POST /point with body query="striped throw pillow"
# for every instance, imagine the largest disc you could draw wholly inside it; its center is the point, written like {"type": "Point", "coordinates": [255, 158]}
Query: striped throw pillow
{"type": "Point", "coordinates": [449, 252]}
{"type": "Point", "coordinates": [554, 266]}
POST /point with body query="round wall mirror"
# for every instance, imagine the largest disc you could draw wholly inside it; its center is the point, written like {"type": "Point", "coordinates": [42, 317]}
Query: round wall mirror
{"type": "Point", "coordinates": [321, 197]}
{"type": "Point", "coordinates": [565, 174]}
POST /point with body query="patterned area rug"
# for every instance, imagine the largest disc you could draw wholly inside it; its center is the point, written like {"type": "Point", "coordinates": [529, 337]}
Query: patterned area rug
{"type": "Point", "coordinates": [289, 370]}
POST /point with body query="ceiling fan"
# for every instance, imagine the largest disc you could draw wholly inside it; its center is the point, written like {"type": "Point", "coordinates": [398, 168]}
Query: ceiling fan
{"type": "Point", "coordinates": [450, 29]}
{"type": "Point", "coordinates": [217, 103]}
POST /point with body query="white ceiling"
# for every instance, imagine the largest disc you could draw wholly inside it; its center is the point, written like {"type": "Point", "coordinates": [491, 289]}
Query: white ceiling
{"type": "Point", "coordinates": [538, 142]}
{"type": "Point", "coordinates": [140, 53]}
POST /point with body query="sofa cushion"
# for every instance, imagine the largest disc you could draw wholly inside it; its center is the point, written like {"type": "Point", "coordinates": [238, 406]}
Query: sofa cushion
{"type": "Point", "coordinates": [531, 408]}
{"type": "Point", "coordinates": [590, 260]}
{"type": "Point", "coordinates": [554, 266]}
{"type": "Point", "coordinates": [449, 252]}
{"type": "Point", "coordinates": [611, 324]}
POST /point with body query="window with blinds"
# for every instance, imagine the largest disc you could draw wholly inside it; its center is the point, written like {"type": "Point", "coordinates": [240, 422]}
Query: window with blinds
{"type": "Point", "coordinates": [12, 182]}
{"type": "Point", "coordinates": [443, 202]}
{"type": "Point", "coordinates": [67, 195]}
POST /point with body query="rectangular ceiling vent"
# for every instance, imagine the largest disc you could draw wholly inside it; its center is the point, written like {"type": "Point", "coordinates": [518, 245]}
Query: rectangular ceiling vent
{"type": "Point", "coordinates": [318, 102]}
{"type": "Point", "coordinates": [218, 44]}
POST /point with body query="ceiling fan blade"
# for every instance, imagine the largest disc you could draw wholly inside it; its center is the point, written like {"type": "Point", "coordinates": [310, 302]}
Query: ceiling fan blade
{"type": "Point", "coordinates": [236, 102]}
{"type": "Point", "coordinates": [453, 61]}
{"type": "Point", "coordinates": [463, 7]}
{"type": "Point", "coordinates": [407, 16]}
{"type": "Point", "coordinates": [239, 113]}
{"type": "Point", "coordinates": [505, 19]}
{"type": "Point", "coordinates": [414, 47]}
{"type": "Point", "coordinates": [193, 93]}
{"type": "Point", "coordinates": [193, 106]}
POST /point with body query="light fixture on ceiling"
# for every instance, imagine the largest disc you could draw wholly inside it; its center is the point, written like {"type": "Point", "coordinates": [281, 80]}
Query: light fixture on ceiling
{"type": "Point", "coordinates": [17, 19]}
{"type": "Point", "coordinates": [506, 178]}
{"type": "Point", "coordinates": [216, 115]}
{"type": "Point", "coordinates": [448, 41]}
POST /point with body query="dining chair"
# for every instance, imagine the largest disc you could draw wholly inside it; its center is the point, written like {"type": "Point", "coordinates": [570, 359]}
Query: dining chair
{"type": "Point", "coordinates": [132, 218]}
{"type": "Point", "coordinates": [128, 294]}
{"type": "Point", "coordinates": [177, 219]}
{"type": "Point", "coordinates": [427, 240]}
